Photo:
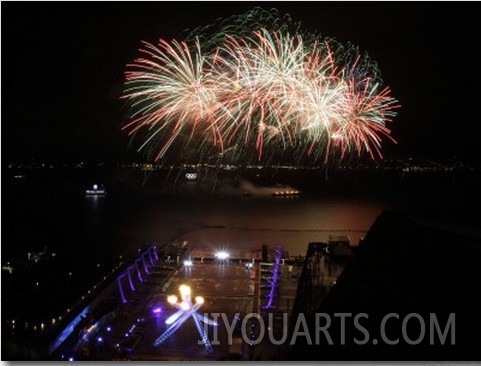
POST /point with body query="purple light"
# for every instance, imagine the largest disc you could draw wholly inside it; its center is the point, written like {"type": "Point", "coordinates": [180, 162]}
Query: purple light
{"type": "Point", "coordinates": [100, 339]}
{"type": "Point", "coordinates": [273, 282]}
{"type": "Point", "coordinates": [157, 311]}
{"type": "Point", "coordinates": [109, 329]}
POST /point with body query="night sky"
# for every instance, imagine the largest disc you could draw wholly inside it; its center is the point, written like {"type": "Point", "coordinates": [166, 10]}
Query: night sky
{"type": "Point", "coordinates": [63, 64]}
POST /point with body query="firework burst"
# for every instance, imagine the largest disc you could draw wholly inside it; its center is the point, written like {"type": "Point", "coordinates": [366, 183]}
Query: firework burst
{"type": "Point", "coordinates": [256, 93]}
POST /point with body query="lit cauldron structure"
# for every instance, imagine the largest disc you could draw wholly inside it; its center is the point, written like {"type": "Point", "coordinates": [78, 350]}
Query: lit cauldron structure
{"type": "Point", "coordinates": [185, 310]}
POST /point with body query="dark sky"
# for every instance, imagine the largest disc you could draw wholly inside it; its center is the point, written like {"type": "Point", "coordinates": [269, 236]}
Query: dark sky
{"type": "Point", "coordinates": [63, 63]}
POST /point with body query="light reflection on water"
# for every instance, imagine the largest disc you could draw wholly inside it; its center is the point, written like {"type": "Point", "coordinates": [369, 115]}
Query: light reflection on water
{"type": "Point", "coordinates": [119, 223]}
{"type": "Point", "coordinates": [293, 224]}
{"type": "Point", "coordinates": [246, 223]}
{"type": "Point", "coordinates": [90, 234]}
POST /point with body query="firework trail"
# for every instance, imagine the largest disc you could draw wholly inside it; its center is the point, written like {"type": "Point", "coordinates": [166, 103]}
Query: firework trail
{"type": "Point", "coordinates": [253, 87]}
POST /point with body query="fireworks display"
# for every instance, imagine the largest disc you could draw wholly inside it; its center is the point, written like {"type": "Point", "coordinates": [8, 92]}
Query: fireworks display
{"type": "Point", "coordinates": [256, 88]}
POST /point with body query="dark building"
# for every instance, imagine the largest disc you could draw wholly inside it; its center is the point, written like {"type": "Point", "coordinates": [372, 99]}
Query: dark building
{"type": "Point", "coordinates": [421, 267]}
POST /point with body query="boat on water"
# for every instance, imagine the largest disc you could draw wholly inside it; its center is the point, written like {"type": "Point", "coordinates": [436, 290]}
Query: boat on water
{"type": "Point", "coordinates": [278, 190]}
{"type": "Point", "coordinates": [286, 193]}
{"type": "Point", "coordinates": [96, 190]}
